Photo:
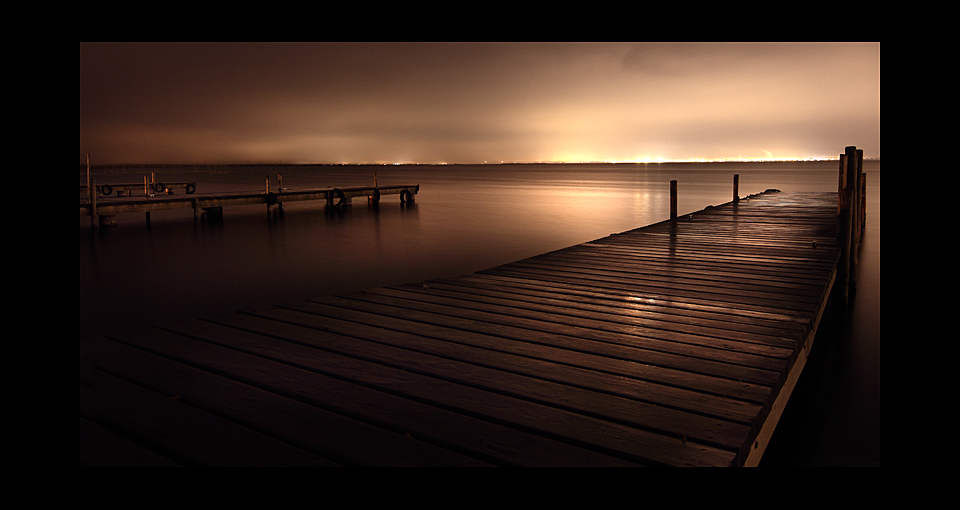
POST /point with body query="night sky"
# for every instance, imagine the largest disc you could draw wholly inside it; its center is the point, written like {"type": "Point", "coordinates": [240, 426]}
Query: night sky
{"type": "Point", "coordinates": [472, 103]}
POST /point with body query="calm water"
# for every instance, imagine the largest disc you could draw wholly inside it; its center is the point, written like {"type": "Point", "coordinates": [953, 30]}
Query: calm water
{"type": "Point", "coordinates": [468, 218]}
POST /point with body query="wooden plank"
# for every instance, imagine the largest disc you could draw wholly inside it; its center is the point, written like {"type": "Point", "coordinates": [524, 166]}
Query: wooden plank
{"type": "Point", "coordinates": [686, 264]}
{"type": "Point", "coordinates": [185, 434]}
{"type": "Point", "coordinates": [630, 298]}
{"type": "Point", "coordinates": [432, 408]}
{"type": "Point", "coordinates": [663, 309]}
{"type": "Point", "coordinates": [239, 357]}
{"type": "Point", "coordinates": [346, 441]}
{"type": "Point", "coordinates": [605, 396]}
{"type": "Point", "coordinates": [694, 346]}
{"type": "Point", "coordinates": [353, 322]}
{"type": "Point", "coordinates": [638, 316]}
{"type": "Point", "coordinates": [647, 327]}
{"type": "Point", "coordinates": [747, 366]}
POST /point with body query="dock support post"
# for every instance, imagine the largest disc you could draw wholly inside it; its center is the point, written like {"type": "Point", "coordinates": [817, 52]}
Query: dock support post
{"type": "Point", "coordinates": [88, 176]}
{"type": "Point", "coordinates": [736, 187]}
{"type": "Point", "coordinates": [856, 224]}
{"type": "Point", "coordinates": [863, 202]}
{"type": "Point", "coordinates": [267, 194]}
{"type": "Point", "coordinates": [849, 171]}
{"type": "Point", "coordinates": [93, 203]}
{"type": "Point", "coordinates": [673, 200]}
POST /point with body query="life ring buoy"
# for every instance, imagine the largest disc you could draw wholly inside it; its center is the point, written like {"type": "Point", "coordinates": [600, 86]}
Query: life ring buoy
{"type": "Point", "coordinates": [337, 194]}
{"type": "Point", "coordinates": [159, 187]}
{"type": "Point", "coordinates": [271, 198]}
{"type": "Point", "coordinates": [191, 188]}
{"type": "Point", "coordinates": [406, 196]}
{"type": "Point", "coordinates": [106, 189]}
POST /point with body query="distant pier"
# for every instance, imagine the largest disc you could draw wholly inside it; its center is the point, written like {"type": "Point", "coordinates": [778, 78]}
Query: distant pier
{"type": "Point", "coordinates": [104, 212]}
{"type": "Point", "coordinates": [674, 344]}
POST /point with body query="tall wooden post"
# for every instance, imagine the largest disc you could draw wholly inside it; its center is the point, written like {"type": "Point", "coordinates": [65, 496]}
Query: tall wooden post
{"type": "Point", "coordinates": [843, 179]}
{"type": "Point", "coordinates": [847, 194]}
{"type": "Point", "coordinates": [280, 190]}
{"type": "Point", "coordinates": [736, 187]}
{"type": "Point", "coordinates": [856, 225]}
{"type": "Point", "coordinates": [863, 203]}
{"type": "Point", "coordinates": [88, 176]}
{"type": "Point", "coordinates": [267, 196]}
{"type": "Point", "coordinates": [93, 204]}
{"type": "Point", "coordinates": [673, 200]}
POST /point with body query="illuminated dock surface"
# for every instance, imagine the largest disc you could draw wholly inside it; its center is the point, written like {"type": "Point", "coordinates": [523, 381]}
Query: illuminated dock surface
{"type": "Point", "coordinates": [674, 344]}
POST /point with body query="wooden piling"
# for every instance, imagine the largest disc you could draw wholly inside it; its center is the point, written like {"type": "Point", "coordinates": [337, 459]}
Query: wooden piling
{"type": "Point", "coordinates": [267, 193]}
{"type": "Point", "coordinates": [673, 200]}
{"type": "Point", "coordinates": [736, 187]}
{"type": "Point", "coordinates": [842, 179]}
{"type": "Point", "coordinates": [855, 220]}
{"type": "Point", "coordinates": [849, 202]}
{"type": "Point", "coordinates": [863, 203]}
{"type": "Point", "coordinates": [88, 177]}
{"type": "Point", "coordinates": [93, 203]}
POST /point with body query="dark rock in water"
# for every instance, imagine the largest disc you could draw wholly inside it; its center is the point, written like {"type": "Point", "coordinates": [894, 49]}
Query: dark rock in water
{"type": "Point", "coordinates": [772, 190]}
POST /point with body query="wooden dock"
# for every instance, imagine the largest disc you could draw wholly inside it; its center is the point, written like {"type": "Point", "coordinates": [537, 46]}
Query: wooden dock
{"type": "Point", "coordinates": [675, 344]}
{"type": "Point", "coordinates": [104, 212]}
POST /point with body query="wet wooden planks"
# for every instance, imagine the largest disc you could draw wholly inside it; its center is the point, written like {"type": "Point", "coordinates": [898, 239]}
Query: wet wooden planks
{"type": "Point", "coordinates": [667, 345]}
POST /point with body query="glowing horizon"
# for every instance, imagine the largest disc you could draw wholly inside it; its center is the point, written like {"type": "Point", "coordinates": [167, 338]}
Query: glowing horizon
{"type": "Point", "coordinates": [470, 103]}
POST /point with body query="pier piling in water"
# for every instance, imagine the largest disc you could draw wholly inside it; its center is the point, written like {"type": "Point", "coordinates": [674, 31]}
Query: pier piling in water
{"type": "Point", "coordinates": [673, 200]}
{"type": "Point", "coordinates": [851, 211]}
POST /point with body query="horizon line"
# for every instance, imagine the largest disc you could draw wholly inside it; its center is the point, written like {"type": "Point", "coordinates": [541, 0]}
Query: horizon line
{"type": "Point", "coordinates": [487, 163]}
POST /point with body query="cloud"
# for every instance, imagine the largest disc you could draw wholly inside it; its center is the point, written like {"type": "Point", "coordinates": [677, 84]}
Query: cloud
{"type": "Point", "coordinates": [471, 102]}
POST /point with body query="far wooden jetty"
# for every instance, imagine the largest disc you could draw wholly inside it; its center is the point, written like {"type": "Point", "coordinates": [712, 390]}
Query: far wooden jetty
{"type": "Point", "coordinates": [104, 212]}
{"type": "Point", "coordinates": [149, 187]}
{"type": "Point", "coordinates": [674, 344]}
